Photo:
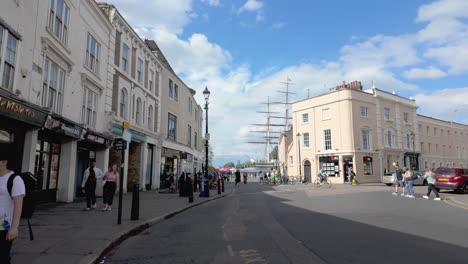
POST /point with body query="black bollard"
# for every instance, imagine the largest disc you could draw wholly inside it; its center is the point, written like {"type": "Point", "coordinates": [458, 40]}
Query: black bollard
{"type": "Point", "coordinates": [135, 202]}
{"type": "Point", "coordinates": [219, 185]}
{"type": "Point", "coordinates": [222, 184]}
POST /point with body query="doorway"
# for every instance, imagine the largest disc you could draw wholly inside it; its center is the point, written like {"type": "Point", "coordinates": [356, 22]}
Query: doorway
{"type": "Point", "coordinates": [347, 166]}
{"type": "Point", "coordinates": [307, 172]}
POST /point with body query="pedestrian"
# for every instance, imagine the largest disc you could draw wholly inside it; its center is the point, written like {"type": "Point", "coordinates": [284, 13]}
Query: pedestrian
{"type": "Point", "coordinates": [90, 177]}
{"type": "Point", "coordinates": [10, 207]}
{"type": "Point", "coordinates": [399, 181]}
{"type": "Point", "coordinates": [351, 175]}
{"type": "Point", "coordinates": [195, 181]}
{"type": "Point", "coordinates": [110, 187]}
{"type": "Point", "coordinates": [408, 179]}
{"type": "Point", "coordinates": [430, 178]}
{"type": "Point", "coordinates": [182, 185]}
{"type": "Point", "coordinates": [238, 178]}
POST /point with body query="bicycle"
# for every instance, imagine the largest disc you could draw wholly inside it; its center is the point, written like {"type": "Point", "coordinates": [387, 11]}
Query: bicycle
{"type": "Point", "coordinates": [326, 183]}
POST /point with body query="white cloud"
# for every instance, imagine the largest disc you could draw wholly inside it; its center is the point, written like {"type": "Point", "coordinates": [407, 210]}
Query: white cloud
{"type": "Point", "coordinates": [251, 6]}
{"type": "Point", "coordinates": [278, 25]}
{"type": "Point", "coordinates": [427, 73]}
{"type": "Point", "coordinates": [443, 9]}
{"type": "Point", "coordinates": [212, 2]}
{"type": "Point", "coordinates": [448, 104]}
{"type": "Point", "coordinates": [453, 55]}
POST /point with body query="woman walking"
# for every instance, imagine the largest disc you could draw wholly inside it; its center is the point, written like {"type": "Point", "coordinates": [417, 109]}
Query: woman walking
{"type": "Point", "coordinates": [112, 181]}
{"type": "Point", "coordinates": [430, 178]}
{"type": "Point", "coordinates": [408, 179]}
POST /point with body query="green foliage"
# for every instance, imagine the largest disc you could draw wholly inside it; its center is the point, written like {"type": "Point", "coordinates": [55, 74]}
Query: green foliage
{"type": "Point", "coordinates": [229, 164]}
{"type": "Point", "coordinates": [274, 154]}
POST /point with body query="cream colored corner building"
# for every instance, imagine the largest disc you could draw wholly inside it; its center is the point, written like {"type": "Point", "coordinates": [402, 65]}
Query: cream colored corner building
{"type": "Point", "coordinates": [368, 131]}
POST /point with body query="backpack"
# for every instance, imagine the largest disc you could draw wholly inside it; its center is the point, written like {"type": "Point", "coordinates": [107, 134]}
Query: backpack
{"type": "Point", "coordinates": [29, 204]}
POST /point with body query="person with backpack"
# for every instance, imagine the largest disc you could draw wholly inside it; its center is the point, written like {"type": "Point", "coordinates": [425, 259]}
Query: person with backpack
{"type": "Point", "coordinates": [408, 178]}
{"type": "Point", "coordinates": [90, 177]}
{"type": "Point", "coordinates": [10, 207]}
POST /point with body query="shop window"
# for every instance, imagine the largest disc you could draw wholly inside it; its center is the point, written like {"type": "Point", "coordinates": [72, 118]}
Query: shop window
{"type": "Point", "coordinates": [53, 86]}
{"type": "Point", "coordinates": [93, 51]}
{"type": "Point", "coordinates": [327, 139]}
{"type": "Point", "coordinates": [47, 163]}
{"type": "Point", "coordinates": [59, 13]}
{"type": "Point", "coordinates": [330, 165]}
{"type": "Point", "coordinates": [8, 61]}
{"type": "Point", "coordinates": [367, 165]}
{"type": "Point", "coordinates": [172, 127]}
{"type": "Point", "coordinates": [6, 137]}
{"type": "Point", "coordinates": [88, 108]}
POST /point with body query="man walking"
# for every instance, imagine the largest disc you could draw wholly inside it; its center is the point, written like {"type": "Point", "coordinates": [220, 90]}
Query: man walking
{"type": "Point", "coordinates": [89, 182]}
{"type": "Point", "coordinates": [399, 181]}
{"type": "Point", "coordinates": [238, 178]}
{"type": "Point", "coordinates": [10, 207]}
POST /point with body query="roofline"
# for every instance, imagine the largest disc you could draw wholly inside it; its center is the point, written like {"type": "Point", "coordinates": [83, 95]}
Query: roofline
{"type": "Point", "coordinates": [441, 120]}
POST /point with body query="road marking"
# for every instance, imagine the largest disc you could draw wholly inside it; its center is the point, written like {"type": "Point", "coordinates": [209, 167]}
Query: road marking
{"type": "Point", "coordinates": [251, 256]}
{"type": "Point", "coordinates": [450, 202]}
{"type": "Point", "coordinates": [230, 251]}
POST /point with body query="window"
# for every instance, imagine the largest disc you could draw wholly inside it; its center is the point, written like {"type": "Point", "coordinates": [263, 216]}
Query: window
{"type": "Point", "coordinates": [125, 52]}
{"type": "Point", "coordinates": [58, 19]}
{"type": "Point", "coordinates": [53, 85]}
{"type": "Point", "coordinates": [390, 138]}
{"type": "Point", "coordinates": [88, 108]}
{"type": "Point", "coordinates": [405, 117]}
{"type": "Point", "coordinates": [429, 147]}
{"type": "Point", "coordinates": [305, 140]}
{"type": "Point", "coordinates": [408, 141]}
{"type": "Point", "coordinates": [435, 131]}
{"type": "Point", "coordinates": [151, 81]}
{"type": "Point", "coordinates": [93, 50]}
{"type": "Point", "coordinates": [138, 111]}
{"type": "Point", "coordinates": [327, 139]}
{"type": "Point", "coordinates": [364, 111]}
{"type": "Point", "coordinates": [171, 89]}
{"type": "Point", "coordinates": [8, 61]}
{"type": "Point", "coordinates": [422, 146]}
{"type": "Point", "coordinates": [291, 160]}
{"type": "Point", "coordinates": [139, 70]}
{"type": "Point", "coordinates": [326, 114]}
{"type": "Point", "coordinates": [427, 130]}
{"type": "Point", "coordinates": [196, 140]}
{"type": "Point", "coordinates": [365, 139]}
{"type": "Point", "coordinates": [305, 118]}
{"type": "Point", "coordinates": [133, 106]}
{"type": "Point", "coordinates": [123, 103]}
{"type": "Point", "coordinates": [387, 113]}
{"type": "Point", "coordinates": [176, 92]}
{"type": "Point", "coordinates": [189, 136]}
{"type": "Point", "coordinates": [150, 118]}
{"type": "Point", "coordinates": [172, 127]}
{"type": "Point", "coordinates": [437, 148]}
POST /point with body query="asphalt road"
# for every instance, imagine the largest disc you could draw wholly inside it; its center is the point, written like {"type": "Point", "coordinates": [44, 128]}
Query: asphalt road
{"type": "Point", "coordinates": [259, 224]}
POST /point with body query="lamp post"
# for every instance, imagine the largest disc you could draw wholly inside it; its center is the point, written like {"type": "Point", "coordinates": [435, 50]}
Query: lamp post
{"type": "Point", "coordinates": [414, 154]}
{"type": "Point", "coordinates": [299, 149]}
{"type": "Point", "coordinates": [206, 94]}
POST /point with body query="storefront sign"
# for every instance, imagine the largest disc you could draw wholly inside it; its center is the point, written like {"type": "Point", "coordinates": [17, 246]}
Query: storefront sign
{"type": "Point", "coordinates": [63, 127]}
{"type": "Point", "coordinates": [94, 138]}
{"type": "Point", "coordinates": [118, 130]}
{"type": "Point", "coordinates": [19, 111]}
{"type": "Point", "coordinates": [170, 153]}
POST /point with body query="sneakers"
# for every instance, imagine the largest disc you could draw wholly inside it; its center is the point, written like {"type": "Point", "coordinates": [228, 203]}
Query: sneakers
{"type": "Point", "coordinates": [394, 193]}
{"type": "Point", "coordinates": [403, 194]}
{"type": "Point", "coordinates": [437, 199]}
{"type": "Point", "coordinates": [411, 196]}
{"type": "Point", "coordinates": [426, 197]}
{"type": "Point", "coordinates": [87, 209]}
{"type": "Point", "coordinates": [93, 206]}
{"type": "Point", "coordinates": [104, 209]}
{"type": "Point", "coordinates": [109, 208]}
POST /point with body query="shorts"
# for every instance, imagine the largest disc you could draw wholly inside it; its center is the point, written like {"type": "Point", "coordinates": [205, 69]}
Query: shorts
{"type": "Point", "coordinates": [400, 183]}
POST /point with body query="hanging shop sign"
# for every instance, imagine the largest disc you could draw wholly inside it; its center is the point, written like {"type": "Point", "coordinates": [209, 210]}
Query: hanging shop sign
{"type": "Point", "coordinates": [120, 144]}
{"type": "Point", "coordinates": [63, 127]}
{"type": "Point", "coordinates": [19, 111]}
{"type": "Point", "coordinates": [118, 130]}
{"type": "Point", "coordinates": [97, 139]}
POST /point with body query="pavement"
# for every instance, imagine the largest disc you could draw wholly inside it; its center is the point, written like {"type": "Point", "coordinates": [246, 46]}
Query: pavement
{"type": "Point", "coordinates": [65, 233]}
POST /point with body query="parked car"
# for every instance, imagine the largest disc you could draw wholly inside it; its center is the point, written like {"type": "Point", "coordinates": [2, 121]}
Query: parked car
{"type": "Point", "coordinates": [452, 179]}
{"type": "Point", "coordinates": [389, 178]}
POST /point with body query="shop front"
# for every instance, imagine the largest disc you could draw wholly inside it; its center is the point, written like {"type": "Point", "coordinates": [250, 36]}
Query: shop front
{"type": "Point", "coordinates": [55, 159]}
{"type": "Point", "coordinates": [169, 166]}
{"type": "Point", "coordinates": [347, 166]}
{"type": "Point", "coordinates": [19, 122]}
{"type": "Point", "coordinates": [330, 165]}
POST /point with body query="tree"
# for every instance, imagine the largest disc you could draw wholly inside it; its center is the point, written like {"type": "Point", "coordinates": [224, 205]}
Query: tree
{"type": "Point", "coordinates": [274, 154]}
{"type": "Point", "coordinates": [229, 164]}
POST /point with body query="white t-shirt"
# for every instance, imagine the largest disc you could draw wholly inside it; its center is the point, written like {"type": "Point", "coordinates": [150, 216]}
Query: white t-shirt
{"type": "Point", "coordinates": [6, 202]}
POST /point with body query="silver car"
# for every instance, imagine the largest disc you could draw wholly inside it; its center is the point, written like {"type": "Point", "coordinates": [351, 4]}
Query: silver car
{"type": "Point", "coordinates": [389, 178]}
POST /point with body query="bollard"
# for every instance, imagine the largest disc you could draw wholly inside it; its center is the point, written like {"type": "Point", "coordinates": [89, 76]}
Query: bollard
{"type": "Point", "coordinates": [135, 202]}
{"type": "Point", "coordinates": [219, 186]}
{"type": "Point", "coordinates": [206, 187]}
{"type": "Point", "coordinates": [222, 184]}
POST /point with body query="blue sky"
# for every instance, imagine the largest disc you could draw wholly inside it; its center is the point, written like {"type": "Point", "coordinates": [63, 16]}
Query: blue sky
{"type": "Point", "coordinates": [243, 49]}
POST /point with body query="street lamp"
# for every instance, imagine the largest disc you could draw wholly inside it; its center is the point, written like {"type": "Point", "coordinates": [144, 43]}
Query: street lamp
{"type": "Point", "coordinates": [299, 149]}
{"type": "Point", "coordinates": [206, 94]}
